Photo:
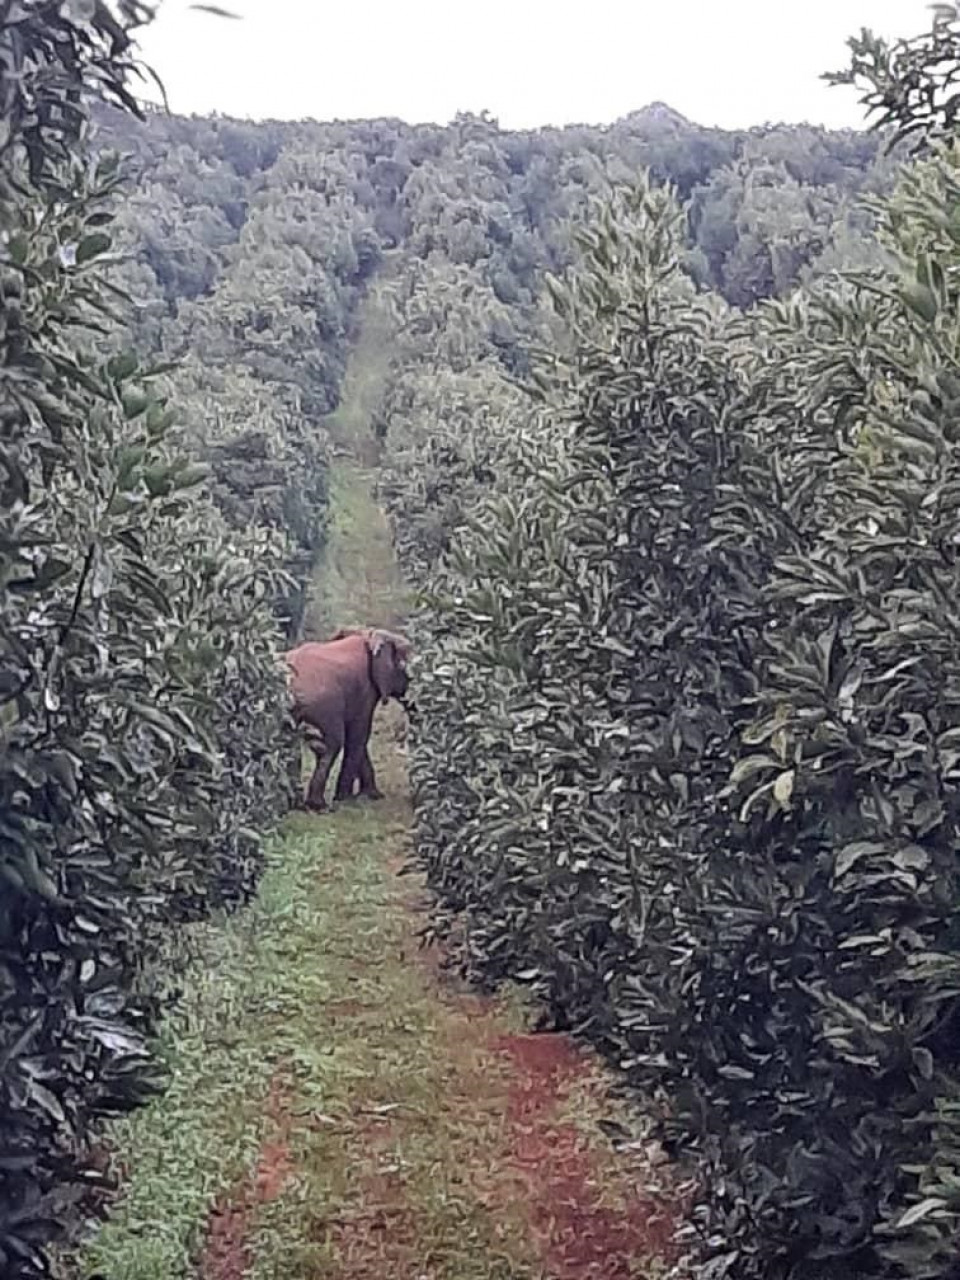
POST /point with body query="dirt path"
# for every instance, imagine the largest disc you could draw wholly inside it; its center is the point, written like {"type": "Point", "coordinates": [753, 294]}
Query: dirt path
{"type": "Point", "coordinates": [341, 1109]}
{"type": "Point", "coordinates": [413, 1129]}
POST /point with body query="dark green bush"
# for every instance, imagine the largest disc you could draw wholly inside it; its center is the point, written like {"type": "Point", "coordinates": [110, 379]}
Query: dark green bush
{"type": "Point", "coordinates": [845, 781]}
{"type": "Point", "coordinates": [267, 468]}
{"type": "Point", "coordinates": [685, 761]}
{"type": "Point", "coordinates": [143, 733]}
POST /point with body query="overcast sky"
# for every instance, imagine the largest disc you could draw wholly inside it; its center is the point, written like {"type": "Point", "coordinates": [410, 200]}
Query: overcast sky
{"type": "Point", "coordinates": [732, 63]}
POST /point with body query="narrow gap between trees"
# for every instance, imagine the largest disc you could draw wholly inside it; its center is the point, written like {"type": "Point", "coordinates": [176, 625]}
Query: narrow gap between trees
{"type": "Point", "coordinates": [340, 1106]}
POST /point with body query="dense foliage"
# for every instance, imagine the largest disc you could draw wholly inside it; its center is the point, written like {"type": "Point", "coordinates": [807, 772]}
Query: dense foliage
{"type": "Point", "coordinates": [272, 228]}
{"type": "Point", "coordinates": [909, 85]}
{"type": "Point", "coordinates": [249, 246]}
{"type": "Point", "coordinates": [685, 760]}
{"type": "Point", "coordinates": [143, 735]}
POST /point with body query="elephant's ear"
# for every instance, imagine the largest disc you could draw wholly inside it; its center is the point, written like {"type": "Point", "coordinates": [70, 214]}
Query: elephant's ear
{"type": "Point", "coordinates": [383, 661]}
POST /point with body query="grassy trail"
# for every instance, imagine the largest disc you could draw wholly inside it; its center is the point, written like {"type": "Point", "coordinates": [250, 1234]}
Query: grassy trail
{"type": "Point", "coordinates": [341, 1110]}
{"type": "Point", "coordinates": [357, 581]}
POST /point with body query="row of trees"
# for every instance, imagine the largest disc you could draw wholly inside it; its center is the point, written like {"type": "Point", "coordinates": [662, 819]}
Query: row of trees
{"type": "Point", "coordinates": [250, 289]}
{"type": "Point", "coordinates": [686, 762]}
{"type": "Point", "coordinates": [158, 524]}
{"type": "Point", "coordinates": [248, 247]}
{"type": "Point", "coordinates": [143, 731]}
{"type": "Point", "coordinates": [765, 202]}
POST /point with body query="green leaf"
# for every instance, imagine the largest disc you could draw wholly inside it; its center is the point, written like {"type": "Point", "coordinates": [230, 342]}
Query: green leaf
{"type": "Point", "coordinates": [18, 248]}
{"type": "Point", "coordinates": [750, 765]}
{"type": "Point", "coordinates": [852, 853]}
{"type": "Point", "coordinates": [122, 367]}
{"type": "Point", "coordinates": [917, 1212]}
{"type": "Point", "coordinates": [188, 477]}
{"type": "Point", "coordinates": [92, 246]}
{"type": "Point", "coordinates": [134, 404]}
{"type": "Point", "coordinates": [783, 787]}
{"type": "Point", "coordinates": [920, 299]}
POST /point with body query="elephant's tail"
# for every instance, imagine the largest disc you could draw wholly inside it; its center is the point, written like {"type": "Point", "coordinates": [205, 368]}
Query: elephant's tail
{"type": "Point", "coordinates": [314, 738]}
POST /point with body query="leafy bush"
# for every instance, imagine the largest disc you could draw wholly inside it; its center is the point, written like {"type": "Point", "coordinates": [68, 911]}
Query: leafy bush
{"type": "Point", "coordinates": [908, 85]}
{"type": "Point", "coordinates": [685, 761]}
{"type": "Point", "coordinates": [143, 730]}
{"type": "Point", "coordinates": [844, 785]}
{"type": "Point", "coordinates": [267, 467]}
{"type": "Point", "coordinates": [447, 410]}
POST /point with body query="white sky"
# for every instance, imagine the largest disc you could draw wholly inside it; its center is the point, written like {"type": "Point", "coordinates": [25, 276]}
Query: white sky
{"type": "Point", "coordinates": [732, 63]}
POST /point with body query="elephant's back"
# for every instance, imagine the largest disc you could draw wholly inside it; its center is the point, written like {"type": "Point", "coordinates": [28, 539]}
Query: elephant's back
{"type": "Point", "coordinates": [319, 670]}
{"type": "Point", "coordinates": [324, 655]}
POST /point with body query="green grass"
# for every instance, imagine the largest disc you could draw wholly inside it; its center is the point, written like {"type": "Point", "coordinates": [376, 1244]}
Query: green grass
{"type": "Point", "coordinates": [364, 380]}
{"type": "Point", "coordinates": [317, 983]}
{"type": "Point", "coordinates": [242, 1010]}
{"type": "Point", "coordinates": [356, 581]}
{"type": "Point", "coordinates": [385, 1112]}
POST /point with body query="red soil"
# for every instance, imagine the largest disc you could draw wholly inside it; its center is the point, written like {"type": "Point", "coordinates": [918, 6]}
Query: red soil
{"type": "Point", "coordinates": [582, 1209]}
{"type": "Point", "coordinates": [379, 1240]}
{"type": "Point", "coordinates": [226, 1251]}
{"type": "Point", "coordinates": [578, 1236]}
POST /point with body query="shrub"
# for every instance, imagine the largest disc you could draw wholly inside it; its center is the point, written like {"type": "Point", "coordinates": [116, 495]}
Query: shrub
{"type": "Point", "coordinates": [685, 761]}
{"type": "Point", "coordinates": [142, 709]}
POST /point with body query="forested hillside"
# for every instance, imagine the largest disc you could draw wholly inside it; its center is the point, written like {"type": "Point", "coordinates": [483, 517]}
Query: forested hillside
{"type": "Point", "coordinates": [667, 442]}
{"type": "Point", "coordinates": [250, 244]}
{"type": "Point", "coordinates": [765, 205]}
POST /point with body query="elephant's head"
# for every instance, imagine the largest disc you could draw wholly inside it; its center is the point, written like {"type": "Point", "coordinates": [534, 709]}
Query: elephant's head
{"type": "Point", "coordinates": [388, 659]}
{"type": "Point", "coordinates": [388, 663]}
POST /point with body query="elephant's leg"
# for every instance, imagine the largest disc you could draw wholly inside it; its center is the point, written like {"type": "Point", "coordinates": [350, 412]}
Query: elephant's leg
{"type": "Point", "coordinates": [355, 748]}
{"type": "Point", "coordinates": [295, 772]}
{"type": "Point", "coordinates": [325, 747]}
{"type": "Point", "coordinates": [368, 781]}
{"type": "Point", "coordinates": [316, 799]}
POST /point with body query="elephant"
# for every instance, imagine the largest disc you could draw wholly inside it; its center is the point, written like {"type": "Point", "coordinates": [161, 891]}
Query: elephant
{"type": "Point", "coordinates": [335, 686]}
